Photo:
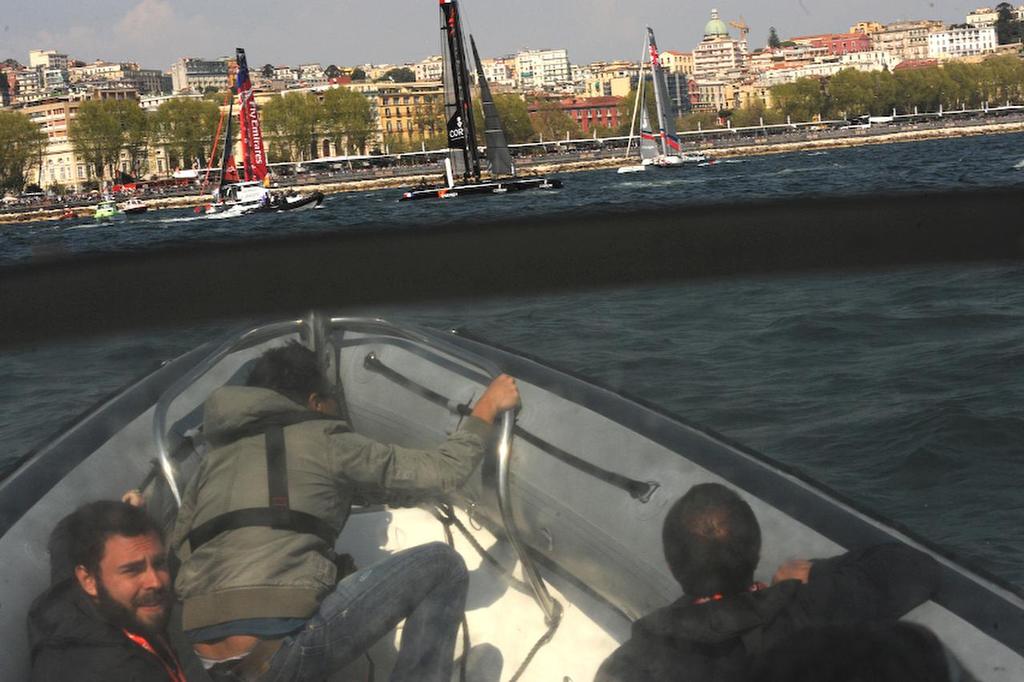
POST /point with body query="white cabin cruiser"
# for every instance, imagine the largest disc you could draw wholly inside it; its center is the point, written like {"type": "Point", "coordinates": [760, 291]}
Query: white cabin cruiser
{"type": "Point", "coordinates": [560, 525]}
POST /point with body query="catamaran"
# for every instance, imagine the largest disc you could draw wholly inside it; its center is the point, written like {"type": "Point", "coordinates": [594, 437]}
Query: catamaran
{"type": "Point", "coordinates": [462, 168]}
{"type": "Point", "coordinates": [663, 150]}
{"type": "Point", "coordinates": [249, 195]}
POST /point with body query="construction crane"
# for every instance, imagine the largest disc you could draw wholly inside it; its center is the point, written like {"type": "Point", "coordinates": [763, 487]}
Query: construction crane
{"type": "Point", "coordinates": [742, 26]}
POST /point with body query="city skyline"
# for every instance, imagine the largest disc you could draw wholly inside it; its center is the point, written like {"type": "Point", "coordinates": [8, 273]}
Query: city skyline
{"type": "Point", "coordinates": [155, 33]}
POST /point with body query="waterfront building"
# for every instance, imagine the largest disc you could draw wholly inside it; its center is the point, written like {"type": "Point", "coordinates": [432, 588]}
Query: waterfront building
{"type": "Point", "coordinates": [589, 113]}
{"type": "Point", "coordinates": [410, 112]}
{"type": "Point", "coordinates": [906, 39]}
{"type": "Point", "coordinates": [719, 56]}
{"type": "Point", "coordinates": [429, 69]}
{"type": "Point", "coordinates": [836, 43]}
{"type": "Point", "coordinates": [543, 69]}
{"type": "Point", "coordinates": [957, 43]}
{"type": "Point", "coordinates": [196, 75]}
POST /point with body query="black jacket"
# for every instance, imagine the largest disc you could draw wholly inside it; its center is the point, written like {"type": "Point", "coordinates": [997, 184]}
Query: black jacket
{"type": "Point", "coordinates": [711, 642]}
{"type": "Point", "coordinates": [70, 640]}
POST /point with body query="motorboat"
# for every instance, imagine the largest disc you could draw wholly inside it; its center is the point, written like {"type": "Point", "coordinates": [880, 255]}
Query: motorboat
{"type": "Point", "coordinates": [242, 198]}
{"type": "Point", "coordinates": [107, 210]}
{"type": "Point", "coordinates": [134, 206]}
{"type": "Point", "coordinates": [560, 526]}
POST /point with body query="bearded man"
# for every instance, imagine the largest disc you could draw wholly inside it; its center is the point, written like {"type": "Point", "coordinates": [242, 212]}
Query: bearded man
{"type": "Point", "coordinates": [108, 620]}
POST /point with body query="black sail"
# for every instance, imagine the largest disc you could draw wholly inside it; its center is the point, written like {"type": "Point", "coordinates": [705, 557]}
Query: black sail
{"type": "Point", "coordinates": [457, 101]}
{"type": "Point", "coordinates": [494, 135]}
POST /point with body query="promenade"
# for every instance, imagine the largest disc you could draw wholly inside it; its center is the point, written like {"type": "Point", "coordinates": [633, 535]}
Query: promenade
{"type": "Point", "coordinates": [718, 144]}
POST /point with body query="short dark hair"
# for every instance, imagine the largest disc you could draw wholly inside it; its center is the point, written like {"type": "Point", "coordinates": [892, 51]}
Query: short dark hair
{"type": "Point", "coordinates": [85, 531]}
{"type": "Point", "coordinates": [712, 541]}
{"type": "Point", "coordinates": [292, 370]}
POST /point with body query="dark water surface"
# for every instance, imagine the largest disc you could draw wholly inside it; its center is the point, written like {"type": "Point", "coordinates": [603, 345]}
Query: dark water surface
{"type": "Point", "coordinates": [901, 389]}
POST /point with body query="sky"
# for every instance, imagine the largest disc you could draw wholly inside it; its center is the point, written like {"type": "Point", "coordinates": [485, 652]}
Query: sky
{"type": "Point", "coordinates": [155, 33]}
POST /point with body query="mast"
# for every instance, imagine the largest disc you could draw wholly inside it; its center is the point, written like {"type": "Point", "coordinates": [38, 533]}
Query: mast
{"type": "Point", "coordinates": [639, 98]}
{"type": "Point", "coordinates": [254, 158]}
{"type": "Point", "coordinates": [494, 135]}
{"type": "Point", "coordinates": [667, 125]}
{"type": "Point", "coordinates": [459, 110]}
{"type": "Point", "coordinates": [226, 152]}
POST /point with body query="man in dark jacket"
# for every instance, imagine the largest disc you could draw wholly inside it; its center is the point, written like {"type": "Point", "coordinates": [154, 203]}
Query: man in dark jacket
{"type": "Point", "coordinates": [712, 543]}
{"type": "Point", "coordinates": [108, 621]}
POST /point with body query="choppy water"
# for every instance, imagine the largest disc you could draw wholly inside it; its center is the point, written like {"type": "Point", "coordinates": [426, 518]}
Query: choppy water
{"type": "Point", "coordinates": [900, 389]}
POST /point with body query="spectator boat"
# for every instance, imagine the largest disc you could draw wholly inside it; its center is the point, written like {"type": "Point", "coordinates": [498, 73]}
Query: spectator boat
{"type": "Point", "coordinates": [134, 206]}
{"type": "Point", "coordinates": [560, 525]}
{"type": "Point", "coordinates": [107, 211]}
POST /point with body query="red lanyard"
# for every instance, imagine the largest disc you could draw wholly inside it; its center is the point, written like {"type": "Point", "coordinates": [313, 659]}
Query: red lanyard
{"type": "Point", "coordinates": [173, 668]}
{"type": "Point", "coordinates": [718, 596]}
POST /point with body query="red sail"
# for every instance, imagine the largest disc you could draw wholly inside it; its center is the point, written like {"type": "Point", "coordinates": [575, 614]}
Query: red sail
{"type": "Point", "coordinates": [254, 157]}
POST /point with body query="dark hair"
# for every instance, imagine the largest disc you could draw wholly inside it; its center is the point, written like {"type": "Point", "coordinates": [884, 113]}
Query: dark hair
{"type": "Point", "coordinates": [712, 541]}
{"type": "Point", "coordinates": [866, 652]}
{"type": "Point", "coordinates": [292, 370]}
{"type": "Point", "coordinates": [83, 534]}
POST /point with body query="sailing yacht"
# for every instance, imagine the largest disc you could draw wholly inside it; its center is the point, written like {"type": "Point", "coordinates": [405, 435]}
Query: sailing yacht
{"type": "Point", "coordinates": [249, 195]}
{"type": "Point", "coordinates": [462, 168]}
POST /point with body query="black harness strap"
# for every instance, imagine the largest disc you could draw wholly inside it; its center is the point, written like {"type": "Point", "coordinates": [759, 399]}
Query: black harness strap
{"type": "Point", "coordinates": [638, 490]}
{"type": "Point", "coordinates": [278, 513]}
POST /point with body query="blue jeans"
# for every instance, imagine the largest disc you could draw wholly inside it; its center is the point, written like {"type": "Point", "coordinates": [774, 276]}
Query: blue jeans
{"type": "Point", "coordinates": [425, 585]}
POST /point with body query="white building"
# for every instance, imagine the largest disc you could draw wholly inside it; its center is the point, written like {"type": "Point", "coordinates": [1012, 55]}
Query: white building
{"type": "Point", "coordinates": [429, 69]}
{"type": "Point", "coordinates": [873, 60]}
{"type": "Point", "coordinates": [47, 59]}
{"type": "Point", "coordinates": [906, 39]}
{"type": "Point", "coordinates": [955, 43]}
{"type": "Point", "coordinates": [719, 56]}
{"type": "Point", "coordinates": [983, 16]}
{"type": "Point", "coordinates": [543, 69]}
{"type": "Point", "coordinates": [195, 75]}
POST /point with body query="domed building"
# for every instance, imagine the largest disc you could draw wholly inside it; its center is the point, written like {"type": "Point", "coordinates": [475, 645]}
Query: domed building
{"type": "Point", "coordinates": [715, 28]}
{"type": "Point", "coordinates": [719, 56]}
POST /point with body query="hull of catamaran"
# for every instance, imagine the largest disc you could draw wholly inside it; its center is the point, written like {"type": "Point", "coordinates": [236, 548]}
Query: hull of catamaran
{"type": "Point", "coordinates": [571, 501]}
{"type": "Point", "coordinates": [492, 187]}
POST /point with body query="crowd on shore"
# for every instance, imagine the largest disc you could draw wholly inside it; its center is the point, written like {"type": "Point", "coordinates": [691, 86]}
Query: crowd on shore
{"type": "Point", "coordinates": [563, 158]}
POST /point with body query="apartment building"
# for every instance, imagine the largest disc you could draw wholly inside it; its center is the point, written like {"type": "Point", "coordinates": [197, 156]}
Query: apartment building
{"type": "Point", "coordinates": [957, 43]}
{"type": "Point", "coordinates": [719, 56]}
{"type": "Point", "coordinates": [196, 75]}
{"type": "Point", "coordinates": [543, 69]}
{"type": "Point", "coordinates": [906, 39]}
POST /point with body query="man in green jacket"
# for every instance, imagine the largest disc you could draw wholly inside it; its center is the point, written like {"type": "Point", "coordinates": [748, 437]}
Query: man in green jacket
{"type": "Point", "coordinates": [256, 529]}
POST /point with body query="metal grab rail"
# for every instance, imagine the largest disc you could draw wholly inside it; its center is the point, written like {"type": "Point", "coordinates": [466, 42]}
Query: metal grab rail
{"type": "Point", "coordinates": [551, 608]}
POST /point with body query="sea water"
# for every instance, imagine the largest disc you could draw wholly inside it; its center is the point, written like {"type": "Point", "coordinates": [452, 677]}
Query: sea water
{"type": "Point", "coordinates": [901, 389]}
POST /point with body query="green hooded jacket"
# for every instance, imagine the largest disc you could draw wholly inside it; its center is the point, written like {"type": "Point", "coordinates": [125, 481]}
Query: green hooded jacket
{"type": "Point", "coordinates": [260, 572]}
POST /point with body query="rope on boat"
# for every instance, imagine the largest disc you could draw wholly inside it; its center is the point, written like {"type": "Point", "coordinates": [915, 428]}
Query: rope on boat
{"type": "Point", "coordinates": [446, 515]}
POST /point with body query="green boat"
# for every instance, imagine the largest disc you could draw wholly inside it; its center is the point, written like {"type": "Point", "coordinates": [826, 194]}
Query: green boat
{"type": "Point", "coordinates": [107, 210]}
